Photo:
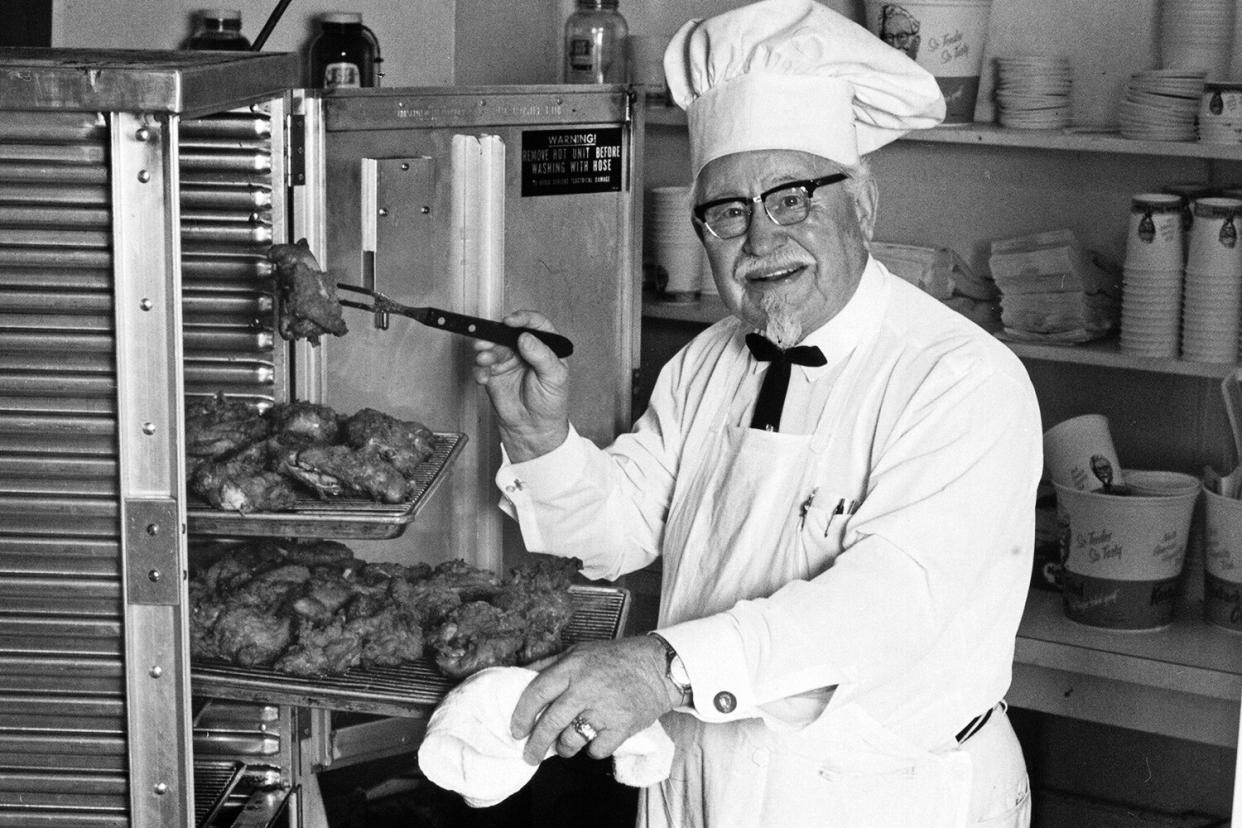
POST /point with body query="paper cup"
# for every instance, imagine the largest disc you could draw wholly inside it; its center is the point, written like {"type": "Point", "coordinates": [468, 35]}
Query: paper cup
{"type": "Point", "coordinates": [1079, 453]}
{"type": "Point", "coordinates": [1122, 556]}
{"type": "Point", "coordinates": [1213, 245]}
{"type": "Point", "coordinates": [1154, 241]}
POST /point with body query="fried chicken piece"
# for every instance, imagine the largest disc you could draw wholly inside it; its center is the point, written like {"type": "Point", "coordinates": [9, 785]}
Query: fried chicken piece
{"type": "Point", "coordinates": [324, 553]}
{"type": "Point", "coordinates": [337, 470]}
{"type": "Point", "coordinates": [217, 426]}
{"type": "Point", "coordinates": [431, 602]}
{"type": "Point", "coordinates": [327, 650]}
{"type": "Point", "coordinates": [237, 566]}
{"type": "Point", "coordinates": [476, 635]}
{"type": "Point", "coordinates": [322, 595]}
{"type": "Point", "coordinates": [390, 636]}
{"type": "Point", "coordinates": [404, 443]}
{"type": "Point", "coordinates": [310, 421]}
{"type": "Point", "coordinates": [249, 636]}
{"type": "Point", "coordinates": [469, 582]}
{"type": "Point", "coordinates": [306, 295]}
{"type": "Point", "coordinates": [536, 597]}
{"type": "Point", "coordinates": [239, 484]}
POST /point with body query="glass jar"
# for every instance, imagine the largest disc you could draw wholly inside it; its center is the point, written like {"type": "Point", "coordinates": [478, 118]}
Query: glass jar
{"type": "Point", "coordinates": [595, 44]}
{"type": "Point", "coordinates": [218, 29]}
{"type": "Point", "coordinates": [345, 53]}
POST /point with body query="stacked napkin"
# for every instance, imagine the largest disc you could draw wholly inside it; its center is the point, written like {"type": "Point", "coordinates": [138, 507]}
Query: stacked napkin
{"type": "Point", "coordinates": [468, 748]}
{"type": "Point", "coordinates": [1052, 290]}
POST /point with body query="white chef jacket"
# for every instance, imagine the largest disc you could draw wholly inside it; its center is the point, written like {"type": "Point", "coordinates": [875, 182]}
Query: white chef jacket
{"type": "Point", "coordinates": [916, 589]}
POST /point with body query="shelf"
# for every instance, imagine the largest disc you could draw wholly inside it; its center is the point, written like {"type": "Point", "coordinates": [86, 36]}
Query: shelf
{"type": "Point", "coordinates": [1184, 681]}
{"type": "Point", "coordinates": [997, 136]}
{"type": "Point", "coordinates": [1104, 353]}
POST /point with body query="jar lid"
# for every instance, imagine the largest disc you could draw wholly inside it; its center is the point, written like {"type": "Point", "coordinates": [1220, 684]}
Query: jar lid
{"type": "Point", "coordinates": [340, 17]}
{"type": "Point", "coordinates": [221, 14]}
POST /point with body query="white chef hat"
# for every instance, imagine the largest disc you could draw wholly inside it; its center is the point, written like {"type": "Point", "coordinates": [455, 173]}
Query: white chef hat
{"type": "Point", "coordinates": [793, 74]}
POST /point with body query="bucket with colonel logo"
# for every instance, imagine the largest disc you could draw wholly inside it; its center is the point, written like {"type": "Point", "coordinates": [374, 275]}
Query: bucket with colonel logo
{"type": "Point", "coordinates": [1222, 546]}
{"type": "Point", "coordinates": [945, 37]}
{"type": "Point", "coordinates": [1122, 554]}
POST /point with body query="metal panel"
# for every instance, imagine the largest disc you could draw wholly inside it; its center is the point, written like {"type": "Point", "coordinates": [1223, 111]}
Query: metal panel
{"type": "Point", "coordinates": [102, 80]}
{"type": "Point", "coordinates": [151, 469]}
{"type": "Point", "coordinates": [62, 699]}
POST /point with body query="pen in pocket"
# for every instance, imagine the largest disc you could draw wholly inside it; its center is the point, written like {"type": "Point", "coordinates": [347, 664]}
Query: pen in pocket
{"type": "Point", "coordinates": [843, 507]}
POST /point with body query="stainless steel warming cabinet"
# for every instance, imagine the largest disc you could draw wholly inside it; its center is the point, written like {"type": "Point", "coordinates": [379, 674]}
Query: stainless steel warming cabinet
{"type": "Point", "coordinates": [139, 192]}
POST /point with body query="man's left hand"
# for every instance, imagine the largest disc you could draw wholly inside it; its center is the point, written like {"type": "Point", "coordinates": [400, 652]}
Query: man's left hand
{"type": "Point", "coordinates": [617, 687]}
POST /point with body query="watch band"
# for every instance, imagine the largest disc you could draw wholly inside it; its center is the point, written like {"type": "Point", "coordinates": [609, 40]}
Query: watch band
{"type": "Point", "coordinates": [675, 670]}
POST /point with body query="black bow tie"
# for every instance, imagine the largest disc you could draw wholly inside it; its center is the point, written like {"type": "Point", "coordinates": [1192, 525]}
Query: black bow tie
{"type": "Point", "coordinates": [771, 401]}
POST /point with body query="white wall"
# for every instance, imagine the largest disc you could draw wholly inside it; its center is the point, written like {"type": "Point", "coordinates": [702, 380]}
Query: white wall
{"type": "Point", "coordinates": [416, 36]}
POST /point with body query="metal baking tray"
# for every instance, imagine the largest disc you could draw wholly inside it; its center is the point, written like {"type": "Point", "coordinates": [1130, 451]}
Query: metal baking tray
{"type": "Point", "coordinates": [336, 517]}
{"type": "Point", "coordinates": [411, 689]}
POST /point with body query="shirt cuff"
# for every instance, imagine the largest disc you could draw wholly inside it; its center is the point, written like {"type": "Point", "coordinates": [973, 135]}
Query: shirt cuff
{"type": "Point", "coordinates": [547, 474]}
{"type": "Point", "coordinates": [711, 649]}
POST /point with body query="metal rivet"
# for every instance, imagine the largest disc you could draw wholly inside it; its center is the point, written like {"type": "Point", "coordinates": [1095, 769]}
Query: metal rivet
{"type": "Point", "coordinates": [156, 671]}
{"type": "Point", "coordinates": [148, 428]}
{"type": "Point", "coordinates": [144, 176]}
{"type": "Point", "coordinates": [143, 134]}
{"type": "Point", "coordinates": [146, 304]}
{"type": "Point", "coordinates": [154, 576]}
{"type": "Point", "coordinates": [383, 211]}
{"type": "Point", "coordinates": [160, 789]}
{"type": "Point", "coordinates": [405, 167]}
{"type": "Point", "coordinates": [425, 210]}
{"type": "Point", "coordinates": [153, 529]}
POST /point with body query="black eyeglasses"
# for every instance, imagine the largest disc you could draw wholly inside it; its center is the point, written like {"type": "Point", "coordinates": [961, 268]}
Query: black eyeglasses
{"type": "Point", "coordinates": [785, 204]}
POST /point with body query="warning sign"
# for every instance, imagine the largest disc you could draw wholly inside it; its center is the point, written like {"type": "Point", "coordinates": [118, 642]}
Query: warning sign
{"type": "Point", "coordinates": [565, 161]}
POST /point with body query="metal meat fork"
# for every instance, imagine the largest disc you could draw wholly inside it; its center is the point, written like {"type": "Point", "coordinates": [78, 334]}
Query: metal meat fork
{"type": "Point", "coordinates": [498, 332]}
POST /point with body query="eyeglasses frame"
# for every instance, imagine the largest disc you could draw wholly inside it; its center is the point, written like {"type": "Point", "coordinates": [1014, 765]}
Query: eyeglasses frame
{"type": "Point", "coordinates": [808, 186]}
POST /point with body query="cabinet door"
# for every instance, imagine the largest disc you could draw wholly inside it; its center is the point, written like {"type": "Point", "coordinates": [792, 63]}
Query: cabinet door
{"type": "Point", "coordinates": [94, 678]}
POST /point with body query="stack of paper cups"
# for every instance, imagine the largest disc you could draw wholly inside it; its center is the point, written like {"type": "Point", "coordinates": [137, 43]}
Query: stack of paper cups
{"type": "Point", "coordinates": [673, 247]}
{"type": "Point", "coordinates": [1197, 34]}
{"type": "Point", "coordinates": [1212, 293]}
{"type": "Point", "coordinates": [1152, 296]}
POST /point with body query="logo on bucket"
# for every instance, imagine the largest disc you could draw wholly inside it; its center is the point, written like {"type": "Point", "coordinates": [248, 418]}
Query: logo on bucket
{"type": "Point", "coordinates": [900, 29]}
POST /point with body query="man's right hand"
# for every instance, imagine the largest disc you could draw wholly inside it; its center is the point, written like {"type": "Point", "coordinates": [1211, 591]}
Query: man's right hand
{"type": "Point", "coordinates": [529, 389]}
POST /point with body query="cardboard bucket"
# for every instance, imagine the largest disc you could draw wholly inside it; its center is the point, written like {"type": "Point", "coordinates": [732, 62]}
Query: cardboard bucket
{"type": "Point", "coordinates": [1122, 555]}
{"type": "Point", "coordinates": [945, 37]}
{"type": "Point", "coordinates": [1222, 573]}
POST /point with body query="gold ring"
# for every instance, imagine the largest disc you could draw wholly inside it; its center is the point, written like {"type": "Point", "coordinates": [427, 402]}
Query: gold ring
{"type": "Point", "coordinates": [583, 728]}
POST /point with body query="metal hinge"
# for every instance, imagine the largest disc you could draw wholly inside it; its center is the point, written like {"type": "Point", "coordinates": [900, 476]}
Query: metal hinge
{"type": "Point", "coordinates": [151, 550]}
{"type": "Point", "coordinates": [297, 150]}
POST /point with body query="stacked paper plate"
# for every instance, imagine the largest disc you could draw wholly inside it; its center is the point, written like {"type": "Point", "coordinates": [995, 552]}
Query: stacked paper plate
{"type": "Point", "coordinates": [1212, 295]}
{"type": "Point", "coordinates": [1160, 105]}
{"type": "Point", "coordinates": [1033, 92]}
{"type": "Point", "coordinates": [1220, 114]}
{"type": "Point", "coordinates": [1151, 300]}
{"type": "Point", "coordinates": [1197, 34]}
{"type": "Point", "coordinates": [672, 246]}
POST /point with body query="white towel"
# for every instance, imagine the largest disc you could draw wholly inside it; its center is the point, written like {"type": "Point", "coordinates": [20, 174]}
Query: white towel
{"type": "Point", "coordinates": [468, 748]}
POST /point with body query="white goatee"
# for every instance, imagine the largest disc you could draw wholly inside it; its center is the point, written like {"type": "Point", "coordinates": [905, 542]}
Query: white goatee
{"type": "Point", "coordinates": [782, 325]}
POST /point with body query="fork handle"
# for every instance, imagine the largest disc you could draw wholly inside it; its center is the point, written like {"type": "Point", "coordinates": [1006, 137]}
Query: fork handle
{"type": "Point", "coordinates": [497, 332]}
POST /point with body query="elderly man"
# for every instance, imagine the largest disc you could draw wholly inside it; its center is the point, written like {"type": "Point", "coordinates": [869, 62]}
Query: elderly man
{"type": "Point", "coordinates": [840, 478]}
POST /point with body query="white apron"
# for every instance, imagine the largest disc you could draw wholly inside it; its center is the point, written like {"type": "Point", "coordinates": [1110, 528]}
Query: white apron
{"type": "Point", "coordinates": [735, 532]}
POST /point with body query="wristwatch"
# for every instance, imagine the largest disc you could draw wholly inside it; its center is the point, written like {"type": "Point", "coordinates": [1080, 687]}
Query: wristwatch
{"type": "Point", "coordinates": [675, 670]}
